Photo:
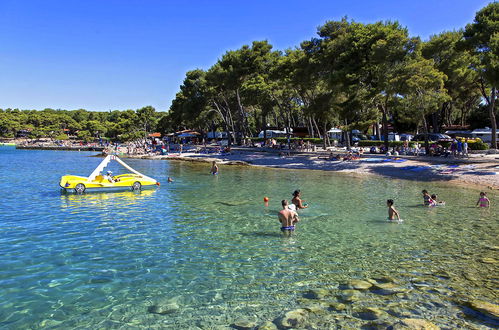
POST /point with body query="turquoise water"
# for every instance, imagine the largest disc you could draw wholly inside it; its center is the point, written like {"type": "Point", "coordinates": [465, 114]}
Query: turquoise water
{"type": "Point", "coordinates": [206, 252]}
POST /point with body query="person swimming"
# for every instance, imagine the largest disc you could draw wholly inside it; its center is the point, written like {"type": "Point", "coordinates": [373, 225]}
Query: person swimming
{"type": "Point", "coordinates": [436, 201]}
{"type": "Point", "coordinates": [427, 200]}
{"type": "Point", "coordinates": [297, 201]}
{"type": "Point", "coordinates": [391, 211]}
{"type": "Point", "coordinates": [287, 218]}
{"type": "Point", "coordinates": [483, 201]}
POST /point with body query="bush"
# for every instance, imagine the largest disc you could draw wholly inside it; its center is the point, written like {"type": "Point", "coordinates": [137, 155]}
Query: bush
{"type": "Point", "coordinates": [61, 137]}
{"type": "Point", "coordinates": [479, 145]}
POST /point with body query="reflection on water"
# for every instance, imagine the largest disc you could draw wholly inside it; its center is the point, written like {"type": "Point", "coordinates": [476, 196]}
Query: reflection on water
{"type": "Point", "coordinates": [116, 199]}
{"type": "Point", "coordinates": [206, 252]}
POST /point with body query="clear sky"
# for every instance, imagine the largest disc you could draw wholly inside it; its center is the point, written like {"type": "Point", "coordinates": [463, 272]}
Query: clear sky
{"type": "Point", "coordinates": [125, 54]}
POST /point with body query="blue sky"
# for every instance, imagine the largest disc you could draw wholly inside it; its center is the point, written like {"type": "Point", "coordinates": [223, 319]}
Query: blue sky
{"type": "Point", "coordinates": [125, 54]}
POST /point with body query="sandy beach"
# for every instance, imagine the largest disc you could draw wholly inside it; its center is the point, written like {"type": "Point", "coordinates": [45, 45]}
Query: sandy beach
{"type": "Point", "coordinates": [479, 170]}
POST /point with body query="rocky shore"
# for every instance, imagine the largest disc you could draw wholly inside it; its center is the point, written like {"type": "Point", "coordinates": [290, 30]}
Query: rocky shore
{"type": "Point", "coordinates": [480, 170]}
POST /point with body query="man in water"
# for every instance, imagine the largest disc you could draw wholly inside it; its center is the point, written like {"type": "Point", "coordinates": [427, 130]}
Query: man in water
{"type": "Point", "coordinates": [392, 213]}
{"type": "Point", "coordinates": [297, 200]}
{"type": "Point", "coordinates": [287, 218]}
{"type": "Point", "coordinates": [214, 168]}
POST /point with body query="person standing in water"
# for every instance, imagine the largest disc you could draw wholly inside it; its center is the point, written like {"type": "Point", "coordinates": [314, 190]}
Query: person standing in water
{"type": "Point", "coordinates": [391, 211]}
{"type": "Point", "coordinates": [297, 201]}
{"type": "Point", "coordinates": [214, 168]}
{"type": "Point", "coordinates": [483, 201]}
{"type": "Point", "coordinates": [287, 218]}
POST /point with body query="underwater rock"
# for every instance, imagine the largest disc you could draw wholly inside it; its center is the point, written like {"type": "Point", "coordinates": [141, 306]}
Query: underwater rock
{"type": "Point", "coordinates": [267, 326]}
{"type": "Point", "coordinates": [316, 293]}
{"type": "Point", "coordinates": [349, 295]}
{"type": "Point", "coordinates": [243, 325]}
{"type": "Point", "coordinates": [488, 260]}
{"type": "Point", "coordinates": [163, 309]}
{"type": "Point", "coordinates": [337, 306]}
{"type": "Point", "coordinates": [487, 309]}
{"type": "Point", "coordinates": [388, 289]}
{"type": "Point", "coordinates": [384, 279]}
{"type": "Point", "coordinates": [359, 285]}
{"type": "Point", "coordinates": [370, 313]}
{"type": "Point", "coordinates": [416, 324]}
{"type": "Point", "coordinates": [293, 319]}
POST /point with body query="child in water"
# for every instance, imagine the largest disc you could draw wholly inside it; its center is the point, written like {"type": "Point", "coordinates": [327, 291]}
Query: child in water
{"type": "Point", "coordinates": [391, 211]}
{"type": "Point", "coordinates": [483, 201]}
{"type": "Point", "coordinates": [427, 200]}
{"type": "Point", "coordinates": [436, 202]}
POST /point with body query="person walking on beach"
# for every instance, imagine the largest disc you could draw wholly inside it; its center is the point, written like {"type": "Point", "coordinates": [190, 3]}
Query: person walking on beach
{"type": "Point", "coordinates": [391, 211]}
{"type": "Point", "coordinates": [297, 201]}
{"type": "Point", "coordinates": [483, 201]}
{"type": "Point", "coordinates": [214, 168]}
{"type": "Point", "coordinates": [287, 218]}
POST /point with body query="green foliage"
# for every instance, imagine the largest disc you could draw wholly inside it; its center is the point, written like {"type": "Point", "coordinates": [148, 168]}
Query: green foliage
{"type": "Point", "coordinates": [50, 123]}
{"type": "Point", "coordinates": [85, 136]}
{"type": "Point", "coordinates": [479, 145]}
{"type": "Point", "coordinates": [61, 137]}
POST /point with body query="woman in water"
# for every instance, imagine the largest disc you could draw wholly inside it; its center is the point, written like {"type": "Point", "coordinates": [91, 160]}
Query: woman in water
{"type": "Point", "coordinates": [297, 200]}
{"type": "Point", "coordinates": [483, 201]}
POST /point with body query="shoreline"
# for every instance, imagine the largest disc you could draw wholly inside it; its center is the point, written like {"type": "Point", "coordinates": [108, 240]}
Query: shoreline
{"type": "Point", "coordinates": [481, 171]}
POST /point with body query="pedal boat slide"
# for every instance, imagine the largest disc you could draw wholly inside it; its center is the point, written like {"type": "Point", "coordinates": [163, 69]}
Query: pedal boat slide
{"type": "Point", "coordinates": [97, 182]}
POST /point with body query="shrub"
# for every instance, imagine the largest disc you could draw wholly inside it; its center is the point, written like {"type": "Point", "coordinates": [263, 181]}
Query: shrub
{"type": "Point", "coordinates": [479, 145]}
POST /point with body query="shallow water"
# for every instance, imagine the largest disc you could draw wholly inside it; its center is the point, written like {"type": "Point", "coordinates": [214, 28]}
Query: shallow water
{"type": "Point", "coordinates": [207, 250]}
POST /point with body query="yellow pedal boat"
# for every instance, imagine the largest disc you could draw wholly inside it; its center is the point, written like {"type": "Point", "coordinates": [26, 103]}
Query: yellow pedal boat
{"type": "Point", "coordinates": [97, 182]}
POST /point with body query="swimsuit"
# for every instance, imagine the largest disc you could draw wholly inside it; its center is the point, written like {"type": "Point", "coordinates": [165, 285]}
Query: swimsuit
{"type": "Point", "coordinates": [483, 202]}
{"type": "Point", "coordinates": [290, 228]}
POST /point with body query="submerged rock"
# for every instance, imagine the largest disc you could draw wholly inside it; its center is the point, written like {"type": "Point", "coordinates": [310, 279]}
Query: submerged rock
{"type": "Point", "coordinates": [163, 309]}
{"type": "Point", "coordinates": [267, 326]}
{"type": "Point", "coordinates": [388, 288]}
{"type": "Point", "coordinates": [293, 319]}
{"type": "Point", "coordinates": [488, 260]}
{"type": "Point", "coordinates": [316, 293]}
{"type": "Point", "coordinates": [337, 306]}
{"type": "Point", "coordinates": [243, 325]}
{"type": "Point", "coordinates": [487, 309]}
{"type": "Point", "coordinates": [416, 324]}
{"type": "Point", "coordinates": [370, 313]}
{"type": "Point", "coordinates": [349, 295]}
{"type": "Point", "coordinates": [384, 279]}
{"type": "Point", "coordinates": [359, 285]}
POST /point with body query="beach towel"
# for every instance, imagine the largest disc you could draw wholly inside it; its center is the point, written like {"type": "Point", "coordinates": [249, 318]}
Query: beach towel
{"type": "Point", "coordinates": [372, 160]}
{"type": "Point", "coordinates": [480, 173]}
{"type": "Point", "coordinates": [420, 168]}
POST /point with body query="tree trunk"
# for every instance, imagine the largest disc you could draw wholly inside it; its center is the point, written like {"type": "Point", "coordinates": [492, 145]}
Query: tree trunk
{"type": "Point", "coordinates": [325, 137]}
{"type": "Point", "coordinates": [384, 124]}
{"type": "Point", "coordinates": [347, 135]}
{"type": "Point", "coordinates": [425, 130]}
{"type": "Point", "coordinates": [311, 127]}
{"type": "Point", "coordinates": [434, 119]}
{"type": "Point", "coordinates": [492, 115]}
